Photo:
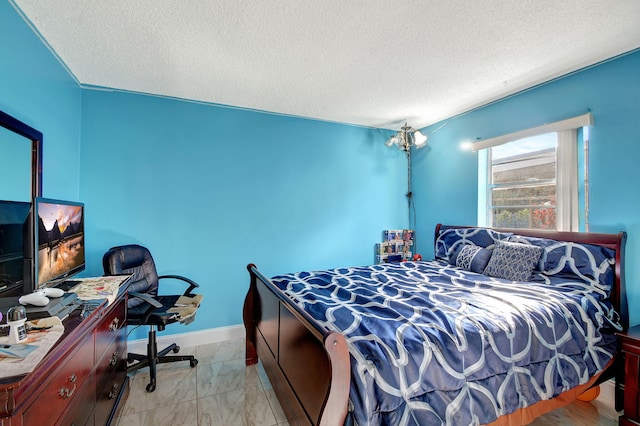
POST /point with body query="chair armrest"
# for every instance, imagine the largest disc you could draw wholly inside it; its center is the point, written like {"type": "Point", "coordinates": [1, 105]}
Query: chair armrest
{"type": "Point", "coordinates": [151, 310]}
{"type": "Point", "coordinates": [150, 300]}
{"type": "Point", "coordinates": [192, 284]}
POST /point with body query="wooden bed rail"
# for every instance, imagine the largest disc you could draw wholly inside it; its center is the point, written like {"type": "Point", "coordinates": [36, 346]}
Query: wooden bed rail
{"type": "Point", "coordinates": [308, 366]}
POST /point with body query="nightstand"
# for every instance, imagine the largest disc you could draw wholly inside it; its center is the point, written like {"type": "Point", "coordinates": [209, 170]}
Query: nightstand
{"type": "Point", "coordinates": [630, 345]}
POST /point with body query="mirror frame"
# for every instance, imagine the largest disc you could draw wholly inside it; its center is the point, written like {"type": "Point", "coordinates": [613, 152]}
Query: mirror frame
{"type": "Point", "coordinates": [17, 126]}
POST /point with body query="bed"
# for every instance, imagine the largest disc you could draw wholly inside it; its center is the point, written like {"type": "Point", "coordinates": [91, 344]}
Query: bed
{"type": "Point", "coordinates": [502, 326]}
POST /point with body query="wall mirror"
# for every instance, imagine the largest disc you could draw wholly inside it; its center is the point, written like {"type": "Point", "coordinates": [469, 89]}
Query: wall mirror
{"type": "Point", "coordinates": [21, 152]}
{"type": "Point", "coordinates": [20, 182]}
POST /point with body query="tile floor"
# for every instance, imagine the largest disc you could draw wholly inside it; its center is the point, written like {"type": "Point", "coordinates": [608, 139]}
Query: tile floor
{"type": "Point", "coordinates": [219, 391]}
{"type": "Point", "coordinates": [222, 391]}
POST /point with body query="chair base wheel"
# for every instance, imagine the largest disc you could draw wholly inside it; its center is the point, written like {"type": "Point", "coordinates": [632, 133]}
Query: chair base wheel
{"type": "Point", "coordinates": [193, 363]}
{"type": "Point", "coordinates": [176, 349]}
{"type": "Point", "coordinates": [151, 387]}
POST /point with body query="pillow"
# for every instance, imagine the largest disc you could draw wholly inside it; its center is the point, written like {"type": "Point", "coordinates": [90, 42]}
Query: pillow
{"type": "Point", "coordinates": [450, 239]}
{"type": "Point", "coordinates": [545, 243]}
{"type": "Point", "coordinates": [470, 257]}
{"type": "Point", "coordinates": [586, 261]}
{"type": "Point", "coordinates": [513, 261]}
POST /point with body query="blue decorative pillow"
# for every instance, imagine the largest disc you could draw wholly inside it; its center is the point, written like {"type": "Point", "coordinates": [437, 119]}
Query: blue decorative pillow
{"type": "Point", "coordinates": [450, 239]}
{"type": "Point", "coordinates": [454, 254]}
{"type": "Point", "coordinates": [545, 243]}
{"type": "Point", "coordinates": [513, 261]}
{"type": "Point", "coordinates": [587, 261]}
{"type": "Point", "coordinates": [470, 257]}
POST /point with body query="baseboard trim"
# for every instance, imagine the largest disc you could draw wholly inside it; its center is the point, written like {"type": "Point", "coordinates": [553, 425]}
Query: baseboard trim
{"type": "Point", "coordinates": [192, 338]}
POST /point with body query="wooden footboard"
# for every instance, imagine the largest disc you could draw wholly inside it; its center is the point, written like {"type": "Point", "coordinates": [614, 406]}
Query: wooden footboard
{"type": "Point", "coordinates": [309, 367]}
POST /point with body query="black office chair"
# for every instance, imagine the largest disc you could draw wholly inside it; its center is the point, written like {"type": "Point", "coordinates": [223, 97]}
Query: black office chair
{"type": "Point", "coordinates": [145, 307]}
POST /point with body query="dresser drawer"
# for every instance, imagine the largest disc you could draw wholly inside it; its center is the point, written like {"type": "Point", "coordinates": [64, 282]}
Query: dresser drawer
{"type": "Point", "coordinates": [67, 385]}
{"type": "Point", "coordinates": [81, 409]}
{"type": "Point", "coordinates": [114, 360]}
{"type": "Point", "coordinates": [106, 400]}
{"type": "Point", "coordinates": [110, 328]}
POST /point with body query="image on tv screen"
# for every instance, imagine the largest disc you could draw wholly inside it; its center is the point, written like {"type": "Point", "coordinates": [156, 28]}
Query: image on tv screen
{"type": "Point", "coordinates": [60, 240]}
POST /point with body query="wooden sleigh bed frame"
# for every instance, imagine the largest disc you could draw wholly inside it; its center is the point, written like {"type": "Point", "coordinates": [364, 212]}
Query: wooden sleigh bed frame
{"type": "Point", "coordinates": [309, 367]}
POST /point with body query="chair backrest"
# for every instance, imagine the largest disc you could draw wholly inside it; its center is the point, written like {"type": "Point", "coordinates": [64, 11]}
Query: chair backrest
{"type": "Point", "coordinates": [137, 260]}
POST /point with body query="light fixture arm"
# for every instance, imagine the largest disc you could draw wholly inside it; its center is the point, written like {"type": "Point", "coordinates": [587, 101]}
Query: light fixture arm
{"type": "Point", "coordinates": [406, 138]}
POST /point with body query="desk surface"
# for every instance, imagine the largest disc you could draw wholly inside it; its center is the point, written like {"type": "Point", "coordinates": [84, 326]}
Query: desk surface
{"type": "Point", "coordinates": [91, 288]}
{"type": "Point", "coordinates": [97, 293]}
{"type": "Point", "coordinates": [92, 331]}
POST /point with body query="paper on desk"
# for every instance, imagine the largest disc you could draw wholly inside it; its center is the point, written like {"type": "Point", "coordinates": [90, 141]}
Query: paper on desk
{"type": "Point", "coordinates": [186, 307]}
{"type": "Point", "coordinates": [54, 322]}
{"type": "Point", "coordinates": [16, 350]}
{"type": "Point", "coordinates": [99, 287]}
{"type": "Point", "coordinates": [43, 341]}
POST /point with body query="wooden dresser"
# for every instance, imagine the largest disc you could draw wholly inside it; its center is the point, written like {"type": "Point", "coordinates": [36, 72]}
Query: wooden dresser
{"type": "Point", "coordinates": [82, 380]}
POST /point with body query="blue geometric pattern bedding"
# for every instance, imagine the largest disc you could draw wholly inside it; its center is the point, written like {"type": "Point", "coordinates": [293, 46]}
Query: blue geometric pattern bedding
{"type": "Point", "coordinates": [434, 344]}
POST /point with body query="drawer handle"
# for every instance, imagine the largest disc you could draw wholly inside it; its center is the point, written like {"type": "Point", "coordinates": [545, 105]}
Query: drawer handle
{"type": "Point", "coordinates": [65, 392]}
{"type": "Point", "coordinates": [114, 359]}
{"type": "Point", "coordinates": [114, 324]}
{"type": "Point", "coordinates": [114, 391]}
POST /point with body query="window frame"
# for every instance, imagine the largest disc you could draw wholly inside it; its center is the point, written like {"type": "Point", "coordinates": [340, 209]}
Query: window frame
{"type": "Point", "coordinates": [567, 173]}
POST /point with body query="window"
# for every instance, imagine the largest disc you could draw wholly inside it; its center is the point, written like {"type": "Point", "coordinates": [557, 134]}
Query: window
{"type": "Point", "coordinates": [522, 183]}
{"type": "Point", "coordinates": [529, 179]}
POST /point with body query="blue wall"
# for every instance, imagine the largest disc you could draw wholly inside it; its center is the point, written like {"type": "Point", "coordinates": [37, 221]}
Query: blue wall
{"type": "Point", "coordinates": [180, 176]}
{"type": "Point", "coordinates": [210, 189]}
{"type": "Point", "coordinates": [36, 89]}
{"type": "Point", "coordinates": [446, 177]}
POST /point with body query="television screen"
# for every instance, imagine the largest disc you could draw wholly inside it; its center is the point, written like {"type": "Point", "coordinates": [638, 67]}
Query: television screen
{"type": "Point", "coordinates": [59, 237]}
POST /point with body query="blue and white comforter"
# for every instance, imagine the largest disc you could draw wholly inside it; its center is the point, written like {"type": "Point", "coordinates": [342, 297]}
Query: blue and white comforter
{"type": "Point", "coordinates": [435, 344]}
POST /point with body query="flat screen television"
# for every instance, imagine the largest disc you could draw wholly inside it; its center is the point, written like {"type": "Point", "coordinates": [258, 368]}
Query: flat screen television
{"type": "Point", "coordinates": [13, 219]}
{"type": "Point", "coordinates": [57, 251]}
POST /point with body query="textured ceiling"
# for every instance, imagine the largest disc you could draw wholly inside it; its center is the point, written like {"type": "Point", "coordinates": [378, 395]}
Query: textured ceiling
{"type": "Point", "coordinates": [366, 62]}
